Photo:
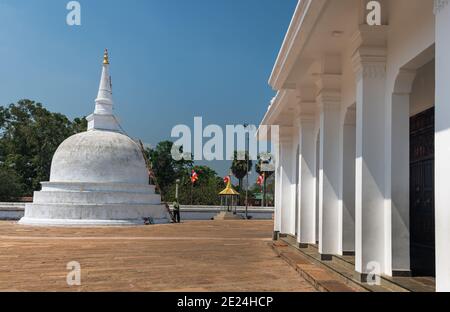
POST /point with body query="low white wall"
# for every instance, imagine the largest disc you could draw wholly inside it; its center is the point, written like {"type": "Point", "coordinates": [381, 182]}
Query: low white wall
{"type": "Point", "coordinates": [12, 211]}
{"type": "Point", "coordinates": [15, 211]}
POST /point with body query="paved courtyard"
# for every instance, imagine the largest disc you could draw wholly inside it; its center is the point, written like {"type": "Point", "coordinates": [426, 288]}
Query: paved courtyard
{"type": "Point", "coordinates": [194, 256]}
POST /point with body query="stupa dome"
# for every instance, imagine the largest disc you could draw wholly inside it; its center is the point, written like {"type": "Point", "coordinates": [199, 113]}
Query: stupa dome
{"type": "Point", "coordinates": [99, 157]}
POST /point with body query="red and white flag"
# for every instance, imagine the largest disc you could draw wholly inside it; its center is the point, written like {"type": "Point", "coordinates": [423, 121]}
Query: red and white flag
{"type": "Point", "coordinates": [226, 180]}
{"type": "Point", "coordinates": [194, 177]}
{"type": "Point", "coordinates": [260, 180]}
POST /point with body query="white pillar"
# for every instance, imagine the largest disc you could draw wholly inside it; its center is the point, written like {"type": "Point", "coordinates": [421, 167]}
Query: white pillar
{"type": "Point", "coordinates": [442, 152]}
{"type": "Point", "coordinates": [317, 178]}
{"type": "Point", "coordinates": [348, 181]}
{"type": "Point", "coordinates": [369, 62]}
{"type": "Point", "coordinates": [287, 185]}
{"type": "Point", "coordinates": [278, 194]}
{"type": "Point", "coordinates": [330, 212]}
{"type": "Point", "coordinates": [307, 178]}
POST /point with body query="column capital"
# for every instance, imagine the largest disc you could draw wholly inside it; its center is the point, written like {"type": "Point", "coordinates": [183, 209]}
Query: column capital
{"type": "Point", "coordinates": [369, 66]}
{"type": "Point", "coordinates": [329, 99]}
{"type": "Point", "coordinates": [369, 52]}
{"type": "Point", "coordinates": [369, 36]}
{"type": "Point", "coordinates": [329, 87]}
{"type": "Point", "coordinates": [439, 5]}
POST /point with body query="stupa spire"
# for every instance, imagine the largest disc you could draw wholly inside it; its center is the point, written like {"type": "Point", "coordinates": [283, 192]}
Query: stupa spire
{"type": "Point", "coordinates": [103, 117]}
{"type": "Point", "coordinates": [104, 101]}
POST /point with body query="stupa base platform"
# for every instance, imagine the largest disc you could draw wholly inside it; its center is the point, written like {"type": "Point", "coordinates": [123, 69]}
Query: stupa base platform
{"type": "Point", "coordinates": [93, 215]}
{"type": "Point", "coordinates": [95, 204]}
{"type": "Point", "coordinates": [85, 223]}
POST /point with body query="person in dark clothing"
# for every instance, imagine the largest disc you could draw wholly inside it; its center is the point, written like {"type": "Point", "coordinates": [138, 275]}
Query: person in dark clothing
{"type": "Point", "coordinates": [176, 212]}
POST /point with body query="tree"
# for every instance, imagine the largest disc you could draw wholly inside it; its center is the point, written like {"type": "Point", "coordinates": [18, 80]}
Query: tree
{"type": "Point", "coordinates": [204, 192]}
{"type": "Point", "coordinates": [10, 186]}
{"type": "Point", "coordinates": [167, 170]}
{"type": "Point", "coordinates": [240, 167]}
{"type": "Point", "coordinates": [264, 160]}
{"type": "Point", "coordinates": [29, 136]}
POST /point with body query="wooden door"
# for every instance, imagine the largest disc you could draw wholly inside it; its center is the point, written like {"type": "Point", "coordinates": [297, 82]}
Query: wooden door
{"type": "Point", "coordinates": [422, 218]}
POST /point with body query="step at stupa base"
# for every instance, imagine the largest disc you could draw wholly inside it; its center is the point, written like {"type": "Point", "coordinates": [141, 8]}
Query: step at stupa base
{"type": "Point", "coordinates": [226, 215]}
{"type": "Point", "coordinates": [93, 215]}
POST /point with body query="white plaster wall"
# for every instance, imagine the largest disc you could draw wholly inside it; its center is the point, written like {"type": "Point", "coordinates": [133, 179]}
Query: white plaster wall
{"type": "Point", "coordinates": [442, 148]}
{"type": "Point", "coordinates": [348, 86]}
{"type": "Point", "coordinates": [400, 183]}
{"type": "Point", "coordinates": [423, 89]}
{"type": "Point", "coordinates": [411, 31]}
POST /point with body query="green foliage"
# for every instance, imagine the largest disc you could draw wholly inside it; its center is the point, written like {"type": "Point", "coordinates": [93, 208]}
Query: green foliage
{"type": "Point", "coordinates": [167, 170]}
{"type": "Point", "coordinates": [10, 186]}
{"type": "Point", "coordinates": [29, 136]}
{"type": "Point", "coordinates": [204, 192]}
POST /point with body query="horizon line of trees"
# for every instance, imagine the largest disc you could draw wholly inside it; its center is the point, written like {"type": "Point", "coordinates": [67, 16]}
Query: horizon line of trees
{"type": "Point", "coordinates": [30, 135]}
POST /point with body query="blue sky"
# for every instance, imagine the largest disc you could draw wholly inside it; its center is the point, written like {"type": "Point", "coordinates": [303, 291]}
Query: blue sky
{"type": "Point", "coordinates": [171, 60]}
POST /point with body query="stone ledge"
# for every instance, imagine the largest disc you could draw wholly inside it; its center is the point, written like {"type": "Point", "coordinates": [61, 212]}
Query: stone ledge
{"type": "Point", "coordinates": [320, 278]}
{"type": "Point", "coordinates": [343, 268]}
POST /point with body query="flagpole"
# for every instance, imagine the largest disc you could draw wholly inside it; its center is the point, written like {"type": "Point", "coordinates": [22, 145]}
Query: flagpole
{"type": "Point", "coordinates": [247, 161]}
{"type": "Point", "coordinates": [192, 188]}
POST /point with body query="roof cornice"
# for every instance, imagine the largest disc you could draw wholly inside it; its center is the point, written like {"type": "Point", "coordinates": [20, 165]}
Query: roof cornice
{"type": "Point", "coordinates": [276, 105]}
{"type": "Point", "coordinates": [302, 23]}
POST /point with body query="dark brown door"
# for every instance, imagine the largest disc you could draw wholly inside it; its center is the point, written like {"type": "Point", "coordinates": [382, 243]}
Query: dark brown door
{"type": "Point", "coordinates": [422, 195]}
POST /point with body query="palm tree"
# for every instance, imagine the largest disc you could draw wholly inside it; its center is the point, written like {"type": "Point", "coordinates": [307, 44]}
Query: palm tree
{"type": "Point", "coordinates": [240, 167]}
{"type": "Point", "coordinates": [264, 159]}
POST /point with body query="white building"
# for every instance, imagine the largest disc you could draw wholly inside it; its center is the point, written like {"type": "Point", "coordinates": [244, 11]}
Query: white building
{"type": "Point", "coordinates": [364, 116]}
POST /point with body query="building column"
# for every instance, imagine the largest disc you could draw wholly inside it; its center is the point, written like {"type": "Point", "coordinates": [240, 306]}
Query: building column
{"type": "Point", "coordinates": [317, 177]}
{"type": "Point", "coordinates": [330, 211]}
{"type": "Point", "coordinates": [348, 181]}
{"type": "Point", "coordinates": [307, 178]}
{"type": "Point", "coordinates": [442, 152]}
{"type": "Point", "coordinates": [287, 182]}
{"type": "Point", "coordinates": [369, 62]}
{"type": "Point", "coordinates": [278, 195]}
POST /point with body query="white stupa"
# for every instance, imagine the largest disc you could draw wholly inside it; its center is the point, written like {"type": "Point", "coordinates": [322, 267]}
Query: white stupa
{"type": "Point", "coordinates": [98, 177]}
